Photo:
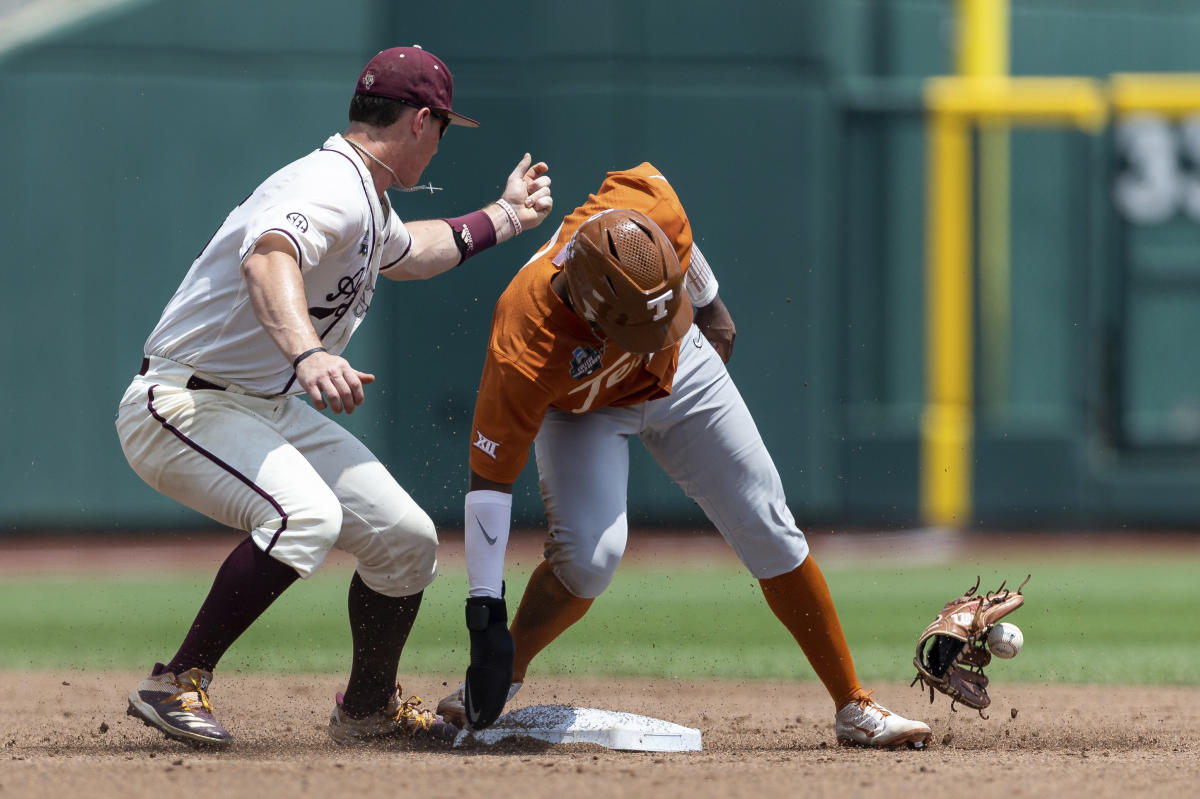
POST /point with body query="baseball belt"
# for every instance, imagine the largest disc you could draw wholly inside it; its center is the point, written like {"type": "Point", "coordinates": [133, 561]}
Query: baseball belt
{"type": "Point", "coordinates": [194, 383]}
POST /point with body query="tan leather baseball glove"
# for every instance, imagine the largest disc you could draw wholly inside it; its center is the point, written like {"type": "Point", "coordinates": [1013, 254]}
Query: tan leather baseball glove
{"type": "Point", "coordinates": [952, 652]}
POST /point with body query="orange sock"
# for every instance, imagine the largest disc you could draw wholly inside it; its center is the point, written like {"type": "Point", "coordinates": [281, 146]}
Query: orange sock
{"type": "Point", "coordinates": [800, 599]}
{"type": "Point", "coordinates": [547, 609]}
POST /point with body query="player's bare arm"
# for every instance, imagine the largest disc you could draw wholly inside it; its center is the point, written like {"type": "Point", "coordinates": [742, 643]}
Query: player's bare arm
{"type": "Point", "coordinates": [478, 483]}
{"type": "Point", "coordinates": [523, 205]}
{"type": "Point", "coordinates": [276, 290]}
{"type": "Point", "coordinates": [716, 324]}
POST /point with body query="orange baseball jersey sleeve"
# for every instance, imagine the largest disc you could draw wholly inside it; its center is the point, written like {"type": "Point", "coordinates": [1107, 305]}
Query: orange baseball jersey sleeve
{"type": "Point", "coordinates": [542, 355]}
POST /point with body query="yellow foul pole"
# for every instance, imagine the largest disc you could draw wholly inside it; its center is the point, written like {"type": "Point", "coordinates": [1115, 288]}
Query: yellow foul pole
{"type": "Point", "coordinates": [983, 55]}
{"type": "Point", "coordinates": [982, 38]}
{"type": "Point", "coordinates": [948, 421]}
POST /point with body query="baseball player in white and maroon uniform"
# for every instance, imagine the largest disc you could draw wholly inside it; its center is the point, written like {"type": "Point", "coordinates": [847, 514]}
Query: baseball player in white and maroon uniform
{"type": "Point", "coordinates": [594, 342]}
{"type": "Point", "coordinates": [213, 420]}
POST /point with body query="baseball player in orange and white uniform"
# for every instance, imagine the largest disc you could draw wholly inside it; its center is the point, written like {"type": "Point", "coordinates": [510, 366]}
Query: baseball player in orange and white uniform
{"type": "Point", "coordinates": [213, 419]}
{"type": "Point", "coordinates": [592, 342]}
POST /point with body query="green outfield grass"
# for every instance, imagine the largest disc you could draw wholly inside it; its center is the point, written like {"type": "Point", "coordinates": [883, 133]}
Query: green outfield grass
{"type": "Point", "coordinates": [1098, 621]}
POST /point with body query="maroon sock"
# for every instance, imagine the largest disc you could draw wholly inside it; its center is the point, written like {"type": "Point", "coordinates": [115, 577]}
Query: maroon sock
{"type": "Point", "coordinates": [379, 626]}
{"type": "Point", "coordinates": [245, 586]}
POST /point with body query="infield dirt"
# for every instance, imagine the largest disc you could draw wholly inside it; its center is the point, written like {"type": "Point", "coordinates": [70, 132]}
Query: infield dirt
{"type": "Point", "coordinates": [67, 735]}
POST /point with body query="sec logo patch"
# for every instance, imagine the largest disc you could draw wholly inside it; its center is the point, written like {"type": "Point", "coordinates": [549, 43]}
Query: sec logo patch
{"type": "Point", "coordinates": [298, 221]}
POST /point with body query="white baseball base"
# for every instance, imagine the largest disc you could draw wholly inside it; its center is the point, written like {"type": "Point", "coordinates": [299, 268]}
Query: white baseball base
{"type": "Point", "coordinates": [563, 724]}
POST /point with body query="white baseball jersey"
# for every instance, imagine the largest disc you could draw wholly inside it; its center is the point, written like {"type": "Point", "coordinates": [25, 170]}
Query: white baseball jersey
{"type": "Point", "coordinates": [326, 204]}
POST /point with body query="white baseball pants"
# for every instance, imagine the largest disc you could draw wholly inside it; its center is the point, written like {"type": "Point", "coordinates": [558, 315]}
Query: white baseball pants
{"type": "Point", "coordinates": [296, 480]}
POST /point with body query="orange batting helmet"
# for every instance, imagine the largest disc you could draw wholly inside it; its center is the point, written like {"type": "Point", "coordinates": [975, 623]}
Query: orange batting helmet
{"type": "Point", "coordinates": [624, 276]}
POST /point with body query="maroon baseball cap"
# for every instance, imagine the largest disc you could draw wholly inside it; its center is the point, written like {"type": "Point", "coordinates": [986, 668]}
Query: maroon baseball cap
{"type": "Point", "coordinates": [413, 76]}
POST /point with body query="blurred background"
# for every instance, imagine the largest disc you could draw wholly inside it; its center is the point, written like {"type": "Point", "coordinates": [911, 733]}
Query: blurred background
{"type": "Point", "coordinates": [960, 238]}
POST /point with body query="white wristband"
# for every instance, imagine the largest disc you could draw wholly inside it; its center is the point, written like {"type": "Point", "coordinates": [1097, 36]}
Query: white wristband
{"type": "Point", "coordinates": [512, 215]}
{"type": "Point", "coordinates": [699, 279]}
{"type": "Point", "coordinates": [486, 520]}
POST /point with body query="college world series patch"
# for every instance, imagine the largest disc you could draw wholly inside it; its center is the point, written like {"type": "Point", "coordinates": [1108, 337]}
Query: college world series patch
{"type": "Point", "coordinates": [585, 361]}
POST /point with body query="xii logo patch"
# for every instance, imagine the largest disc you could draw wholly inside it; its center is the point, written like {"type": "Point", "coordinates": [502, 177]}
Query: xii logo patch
{"type": "Point", "coordinates": [486, 445]}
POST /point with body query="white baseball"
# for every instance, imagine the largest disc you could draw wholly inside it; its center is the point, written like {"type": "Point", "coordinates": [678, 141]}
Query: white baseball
{"type": "Point", "coordinates": [1004, 640]}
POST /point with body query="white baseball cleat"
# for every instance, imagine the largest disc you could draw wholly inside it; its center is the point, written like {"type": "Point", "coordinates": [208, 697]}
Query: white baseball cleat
{"type": "Point", "coordinates": [453, 707]}
{"type": "Point", "coordinates": [864, 722]}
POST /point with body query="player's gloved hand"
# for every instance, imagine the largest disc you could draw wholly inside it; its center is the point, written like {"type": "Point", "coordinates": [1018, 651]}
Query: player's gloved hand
{"type": "Point", "coordinates": [717, 326]}
{"type": "Point", "coordinates": [490, 673]}
{"type": "Point", "coordinates": [527, 190]}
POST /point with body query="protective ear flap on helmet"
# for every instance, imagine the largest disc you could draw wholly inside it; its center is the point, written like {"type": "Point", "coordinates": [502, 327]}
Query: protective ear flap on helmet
{"type": "Point", "coordinates": [623, 275]}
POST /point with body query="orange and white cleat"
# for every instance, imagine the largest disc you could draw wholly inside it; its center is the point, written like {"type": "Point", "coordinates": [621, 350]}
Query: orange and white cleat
{"type": "Point", "coordinates": [864, 722]}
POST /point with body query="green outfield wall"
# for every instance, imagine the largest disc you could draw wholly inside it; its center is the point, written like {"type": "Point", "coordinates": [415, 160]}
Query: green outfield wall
{"type": "Point", "coordinates": [793, 132]}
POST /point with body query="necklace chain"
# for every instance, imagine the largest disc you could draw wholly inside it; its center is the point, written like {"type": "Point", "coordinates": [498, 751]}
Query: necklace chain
{"type": "Point", "coordinates": [370, 155]}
